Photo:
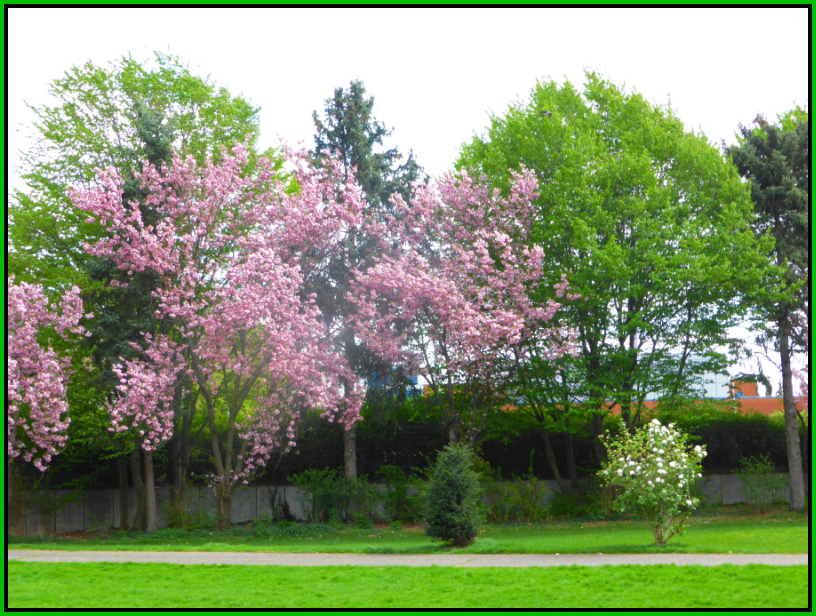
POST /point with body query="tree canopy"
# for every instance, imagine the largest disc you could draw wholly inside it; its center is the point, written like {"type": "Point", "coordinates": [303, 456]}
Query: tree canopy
{"type": "Point", "coordinates": [651, 225]}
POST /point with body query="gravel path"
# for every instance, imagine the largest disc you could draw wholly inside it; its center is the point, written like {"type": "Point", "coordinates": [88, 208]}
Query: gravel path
{"type": "Point", "coordinates": [406, 560]}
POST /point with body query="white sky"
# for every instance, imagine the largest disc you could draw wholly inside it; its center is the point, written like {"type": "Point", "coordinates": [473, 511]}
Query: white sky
{"type": "Point", "coordinates": [435, 74]}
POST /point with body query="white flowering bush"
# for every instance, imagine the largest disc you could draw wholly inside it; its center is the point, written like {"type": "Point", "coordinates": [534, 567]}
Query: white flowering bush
{"type": "Point", "coordinates": [654, 470]}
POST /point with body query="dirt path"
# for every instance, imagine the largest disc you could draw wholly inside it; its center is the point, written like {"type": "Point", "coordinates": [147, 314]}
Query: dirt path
{"type": "Point", "coordinates": [406, 560]}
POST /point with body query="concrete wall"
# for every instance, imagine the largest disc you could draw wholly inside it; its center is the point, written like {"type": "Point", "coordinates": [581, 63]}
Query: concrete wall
{"type": "Point", "coordinates": [50, 512]}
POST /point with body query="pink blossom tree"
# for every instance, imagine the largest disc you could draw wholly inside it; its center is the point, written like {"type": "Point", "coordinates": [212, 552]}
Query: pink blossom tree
{"type": "Point", "coordinates": [452, 297]}
{"type": "Point", "coordinates": [144, 406]}
{"type": "Point", "coordinates": [36, 375]}
{"type": "Point", "coordinates": [230, 246]}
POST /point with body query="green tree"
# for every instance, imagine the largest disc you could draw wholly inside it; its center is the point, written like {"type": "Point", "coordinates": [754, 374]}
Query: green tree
{"type": "Point", "coordinates": [453, 511]}
{"type": "Point", "coordinates": [652, 226]}
{"type": "Point", "coordinates": [775, 158]}
{"type": "Point", "coordinates": [119, 116]}
{"type": "Point", "coordinates": [350, 132]}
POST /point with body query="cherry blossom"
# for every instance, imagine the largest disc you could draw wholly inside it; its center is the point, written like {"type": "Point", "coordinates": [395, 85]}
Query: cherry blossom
{"type": "Point", "coordinates": [36, 376]}
{"type": "Point", "coordinates": [451, 297]}
{"type": "Point", "coordinates": [230, 246]}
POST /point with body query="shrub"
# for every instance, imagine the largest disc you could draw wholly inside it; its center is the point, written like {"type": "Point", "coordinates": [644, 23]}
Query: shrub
{"type": "Point", "coordinates": [453, 511]}
{"type": "Point", "coordinates": [332, 497]}
{"type": "Point", "coordinates": [759, 481]}
{"type": "Point", "coordinates": [655, 470]}
{"type": "Point", "coordinates": [517, 500]}
{"type": "Point", "coordinates": [400, 501]}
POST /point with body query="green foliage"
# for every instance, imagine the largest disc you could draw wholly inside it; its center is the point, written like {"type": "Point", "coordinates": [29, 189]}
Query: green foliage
{"type": "Point", "coordinates": [453, 511]}
{"type": "Point", "coordinates": [518, 500]}
{"type": "Point", "coordinates": [590, 499]}
{"type": "Point", "coordinates": [760, 483]}
{"type": "Point", "coordinates": [652, 227]}
{"type": "Point", "coordinates": [333, 497]}
{"type": "Point", "coordinates": [401, 500]}
{"type": "Point", "coordinates": [109, 116]}
{"type": "Point", "coordinates": [350, 131]}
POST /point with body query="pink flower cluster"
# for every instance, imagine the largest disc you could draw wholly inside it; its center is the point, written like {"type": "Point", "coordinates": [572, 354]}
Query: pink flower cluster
{"type": "Point", "coordinates": [230, 244]}
{"type": "Point", "coordinates": [146, 390]}
{"type": "Point", "coordinates": [452, 297]}
{"type": "Point", "coordinates": [36, 377]}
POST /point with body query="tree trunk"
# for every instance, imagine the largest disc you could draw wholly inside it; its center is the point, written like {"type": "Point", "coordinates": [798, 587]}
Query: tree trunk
{"type": "Point", "coordinates": [150, 493]}
{"type": "Point", "coordinates": [572, 470]}
{"type": "Point", "coordinates": [350, 451]}
{"type": "Point", "coordinates": [550, 453]}
{"type": "Point", "coordinates": [179, 462]}
{"type": "Point", "coordinates": [796, 474]}
{"type": "Point", "coordinates": [453, 433]}
{"type": "Point", "coordinates": [124, 501]}
{"type": "Point", "coordinates": [15, 521]}
{"type": "Point", "coordinates": [223, 499]}
{"type": "Point", "coordinates": [597, 428]}
{"type": "Point", "coordinates": [139, 489]}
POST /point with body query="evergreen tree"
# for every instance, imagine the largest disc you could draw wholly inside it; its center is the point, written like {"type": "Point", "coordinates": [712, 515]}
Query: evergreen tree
{"type": "Point", "coordinates": [775, 158]}
{"type": "Point", "coordinates": [349, 132]}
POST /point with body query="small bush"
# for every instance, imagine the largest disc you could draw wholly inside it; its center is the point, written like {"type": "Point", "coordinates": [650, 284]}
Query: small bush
{"type": "Point", "coordinates": [332, 497]}
{"type": "Point", "coordinates": [759, 481]}
{"type": "Point", "coordinates": [400, 500]}
{"type": "Point", "coordinates": [453, 511]}
{"type": "Point", "coordinates": [518, 500]}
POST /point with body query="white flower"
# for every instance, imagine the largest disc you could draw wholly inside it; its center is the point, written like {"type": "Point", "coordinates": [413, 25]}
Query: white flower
{"type": "Point", "coordinates": [689, 502]}
{"type": "Point", "coordinates": [673, 464]}
{"type": "Point", "coordinates": [620, 471]}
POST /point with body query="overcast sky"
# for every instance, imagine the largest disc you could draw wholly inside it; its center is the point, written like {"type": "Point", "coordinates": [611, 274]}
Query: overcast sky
{"type": "Point", "coordinates": [435, 74]}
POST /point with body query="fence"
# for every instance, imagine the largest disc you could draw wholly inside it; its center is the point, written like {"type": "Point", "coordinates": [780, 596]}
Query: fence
{"type": "Point", "coordinates": [51, 512]}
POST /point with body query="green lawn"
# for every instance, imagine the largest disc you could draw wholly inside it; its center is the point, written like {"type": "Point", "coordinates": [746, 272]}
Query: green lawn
{"type": "Point", "coordinates": [780, 532]}
{"type": "Point", "coordinates": [130, 585]}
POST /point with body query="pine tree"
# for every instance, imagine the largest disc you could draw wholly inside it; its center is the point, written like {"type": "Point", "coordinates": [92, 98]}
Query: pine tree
{"type": "Point", "coordinates": [350, 132]}
{"type": "Point", "coordinates": [776, 160]}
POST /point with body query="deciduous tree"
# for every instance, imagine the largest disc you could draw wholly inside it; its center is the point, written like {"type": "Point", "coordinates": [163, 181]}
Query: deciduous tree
{"type": "Point", "coordinates": [227, 248]}
{"type": "Point", "coordinates": [117, 115]}
{"type": "Point", "coordinates": [451, 297]}
{"type": "Point", "coordinates": [652, 227]}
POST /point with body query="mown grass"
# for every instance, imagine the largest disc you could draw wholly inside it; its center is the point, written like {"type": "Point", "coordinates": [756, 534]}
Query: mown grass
{"type": "Point", "coordinates": [153, 585]}
{"type": "Point", "coordinates": [777, 532]}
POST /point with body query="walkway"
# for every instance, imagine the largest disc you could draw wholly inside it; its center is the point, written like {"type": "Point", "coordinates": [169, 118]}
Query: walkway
{"type": "Point", "coordinates": [405, 560]}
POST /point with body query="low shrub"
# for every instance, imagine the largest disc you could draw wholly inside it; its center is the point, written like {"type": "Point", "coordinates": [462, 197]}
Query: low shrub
{"type": "Point", "coordinates": [330, 496]}
{"type": "Point", "coordinates": [401, 500]}
{"type": "Point", "coordinates": [760, 483]}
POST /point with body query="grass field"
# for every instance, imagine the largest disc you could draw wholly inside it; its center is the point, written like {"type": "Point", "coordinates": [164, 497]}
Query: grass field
{"type": "Point", "coordinates": [777, 532]}
{"type": "Point", "coordinates": [139, 586]}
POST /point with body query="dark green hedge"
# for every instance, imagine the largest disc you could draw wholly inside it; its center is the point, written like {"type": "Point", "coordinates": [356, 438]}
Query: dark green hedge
{"type": "Point", "coordinates": [409, 436]}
